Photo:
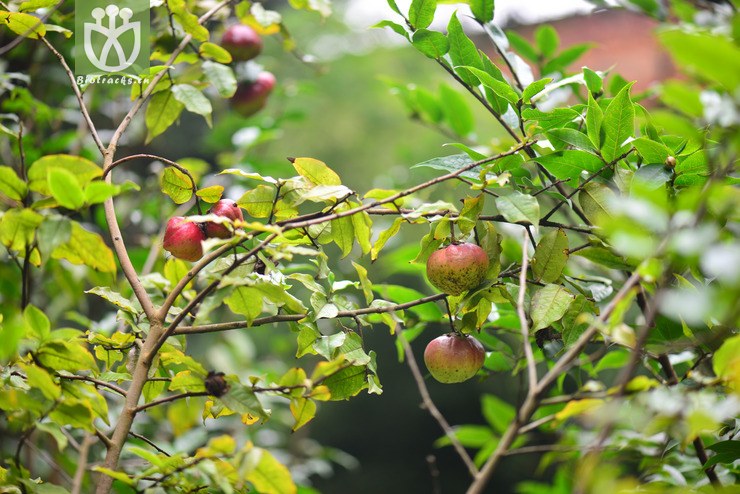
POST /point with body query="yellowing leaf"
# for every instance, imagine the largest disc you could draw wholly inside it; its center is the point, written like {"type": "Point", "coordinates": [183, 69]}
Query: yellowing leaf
{"type": "Point", "coordinates": [270, 476]}
{"type": "Point", "coordinates": [84, 247]}
{"type": "Point", "coordinates": [578, 407]}
{"type": "Point", "coordinates": [316, 171]}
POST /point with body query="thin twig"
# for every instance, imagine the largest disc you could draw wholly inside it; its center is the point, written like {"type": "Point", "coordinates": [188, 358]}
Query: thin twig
{"type": "Point", "coordinates": [432, 408]}
{"type": "Point", "coordinates": [79, 477]}
{"type": "Point", "coordinates": [523, 322]}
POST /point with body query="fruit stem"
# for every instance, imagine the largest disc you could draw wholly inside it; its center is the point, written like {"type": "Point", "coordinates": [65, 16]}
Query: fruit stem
{"type": "Point", "coordinates": [449, 314]}
{"type": "Point", "coordinates": [453, 241]}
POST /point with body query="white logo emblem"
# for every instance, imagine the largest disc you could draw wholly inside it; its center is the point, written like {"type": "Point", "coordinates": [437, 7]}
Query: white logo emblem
{"type": "Point", "coordinates": [112, 33]}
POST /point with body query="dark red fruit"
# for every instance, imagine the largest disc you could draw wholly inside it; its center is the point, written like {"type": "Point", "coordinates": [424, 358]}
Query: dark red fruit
{"type": "Point", "coordinates": [228, 209]}
{"type": "Point", "coordinates": [251, 97]}
{"type": "Point", "coordinates": [242, 42]}
{"type": "Point", "coordinates": [454, 358]}
{"type": "Point", "coordinates": [182, 239]}
{"type": "Point", "coordinates": [457, 267]}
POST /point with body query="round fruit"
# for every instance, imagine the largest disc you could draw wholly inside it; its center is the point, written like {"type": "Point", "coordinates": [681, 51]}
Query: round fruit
{"type": "Point", "coordinates": [182, 239]}
{"type": "Point", "coordinates": [242, 42]}
{"type": "Point", "coordinates": [454, 358]}
{"type": "Point", "coordinates": [457, 267]}
{"type": "Point", "coordinates": [251, 97]}
{"type": "Point", "coordinates": [228, 209]}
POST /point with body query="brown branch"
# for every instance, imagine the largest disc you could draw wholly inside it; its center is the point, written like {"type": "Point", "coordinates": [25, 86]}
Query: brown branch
{"type": "Point", "coordinates": [148, 441]}
{"type": "Point", "coordinates": [96, 382]}
{"type": "Point", "coordinates": [168, 399]}
{"type": "Point", "coordinates": [432, 408]}
{"type": "Point", "coordinates": [78, 95]}
{"type": "Point", "coordinates": [531, 401]}
{"type": "Point", "coordinates": [523, 323]}
{"type": "Point", "coordinates": [226, 326]}
{"type": "Point", "coordinates": [79, 477]}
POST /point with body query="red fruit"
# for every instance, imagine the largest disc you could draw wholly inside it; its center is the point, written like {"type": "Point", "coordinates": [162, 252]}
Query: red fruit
{"type": "Point", "coordinates": [182, 239]}
{"type": "Point", "coordinates": [251, 97]}
{"type": "Point", "coordinates": [242, 42]}
{"type": "Point", "coordinates": [457, 268]}
{"type": "Point", "coordinates": [454, 358]}
{"type": "Point", "coordinates": [228, 209]}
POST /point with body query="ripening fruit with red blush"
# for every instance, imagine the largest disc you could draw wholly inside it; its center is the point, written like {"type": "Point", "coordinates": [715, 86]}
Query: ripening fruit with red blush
{"type": "Point", "coordinates": [251, 97]}
{"type": "Point", "coordinates": [228, 209]}
{"type": "Point", "coordinates": [454, 357]}
{"type": "Point", "coordinates": [182, 239]}
{"type": "Point", "coordinates": [242, 42]}
{"type": "Point", "coordinates": [457, 267]}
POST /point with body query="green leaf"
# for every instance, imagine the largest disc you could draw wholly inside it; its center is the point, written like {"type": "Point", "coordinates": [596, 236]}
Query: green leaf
{"type": "Point", "coordinates": [550, 256]}
{"type": "Point", "coordinates": [498, 413]}
{"type": "Point", "coordinates": [343, 234]}
{"type": "Point", "coordinates": [211, 194]}
{"type": "Point", "coordinates": [316, 171]}
{"type": "Point", "coordinates": [482, 10]}
{"type": "Point", "coordinates": [652, 152]}
{"type": "Point", "coordinates": [594, 81]}
{"type": "Point", "coordinates": [193, 99]}
{"type": "Point", "coordinates": [431, 43]}
{"type": "Point", "coordinates": [214, 52]}
{"type": "Point", "coordinates": [303, 410]}
{"type": "Point", "coordinates": [519, 208]}
{"type": "Point", "coordinates": [605, 257]}
{"type": "Point", "coordinates": [347, 382]}
{"type": "Point", "coordinates": [11, 185]}
{"type": "Point", "coordinates": [362, 225]}
{"type": "Point", "coordinates": [116, 299]}
{"type": "Point", "coordinates": [63, 355]}
{"type": "Point", "coordinates": [570, 164]}
{"type": "Point", "coordinates": [98, 191]}
{"type": "Point", "coordinates": [18, 227]}
{"type": "Point", "coordinates": [221, 77]}
{"type": "Point", "coordinates": [534, 88]}
{"type": "Point", "coordinates": [565, 58]}
{"type": "Point", "coordinates": [397, 28]}
{"type": "Point", "coordinates": [120, 476]}
{"type": "Point", "coordinates": [270, 476]}
{"type": "Point", "coordinates": [384, 236]}
{"type": "Point", "coordinates": [500, 88]}
{"type": "Point", "coordinates": [548, 120]}
{"type": "Point", "coordinates": [247, 301]}
{"type": "Point", "coordinates": [713, 57]}
{"type": "Point", "coordinates": [25, 25]}
{"type": "Point", "coordinates": [571, 137]}
{"type": "Point", "coordinates": [549, 304]}
{"type": "Point", "coordinates": [176, 184]}
{"type": "Point", "coordinates": [547, 40]}
{"type": "Point", "coordinates": [162, 111]}
{"type": "Point", "coordinates": [653, 176]}
{"type": "Point", "coordinates": [594, 117]}
{"type": "Point", "coordinates": [40, 379]}
{"type": "Point", "coordinates": [86, 248]}
{"type": "Point", "coordinates": [618, 124]}
{"type": "Point", "coordinates": [452, 163]}
{"type": "Point", "coordinates": [595, 200]}
{"type": "Point", "coordinates": [421, 13]}
{"type": "Point", "coordinates": [83, 169]}
{"type": "Point", "coordinates": [242, 400]}
{"type": "Point", "coordinates": [726, 361]}
{"type": "Point", "coordinates": [65, 188]}
{"type": "Point", "coordinates": [187, 20]}
{"type": "Point", "coordinates": [456, 111]}
{"type": "Point", "coordinates": [521, 45]}
{"type": "Point", "coordinates": [73, 413]}
{"type": "Point", "coordinates": [258, 201]}
{"type": "Point", "coordinates": [36, 322]}
{"type": "Point", "coordinates": [463, 51]}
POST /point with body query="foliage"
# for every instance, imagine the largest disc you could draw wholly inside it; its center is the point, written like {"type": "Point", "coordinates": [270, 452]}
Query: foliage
{"type": "Point", "coordinates": [623, 323]}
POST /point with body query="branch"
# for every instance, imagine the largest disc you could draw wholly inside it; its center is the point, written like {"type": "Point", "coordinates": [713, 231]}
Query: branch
{"type": "Point", "coordinates": [226, 326]}
{"type": "Point", "coordinates": [78, 95]}
{"type": "Point", "coordinates": [432, 408]}
{"type": "Point", "coordinates": [97, 382]}
{"type": "Point", "coordinates": [531, 401]}
{"type": "Point", "coordinates": [524, 324]}
{"type": "Point", "coordinates": [168, 399]}
{"type": "Point", "coordinates": [79, 477]}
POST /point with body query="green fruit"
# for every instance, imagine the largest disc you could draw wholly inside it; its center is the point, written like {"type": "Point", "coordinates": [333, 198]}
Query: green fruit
{"type": "Point", "coordinates": [457, 268]}
{"type": "Point", "coordinates": [454, 358]}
